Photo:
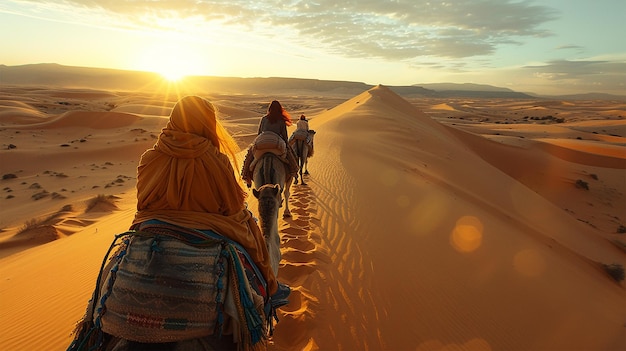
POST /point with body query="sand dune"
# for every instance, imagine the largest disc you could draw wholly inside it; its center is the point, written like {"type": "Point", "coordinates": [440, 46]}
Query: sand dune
{"type": "Point", "coordinates": [461, 257]}
{"type": "Point", "coordinates": [423, 227]}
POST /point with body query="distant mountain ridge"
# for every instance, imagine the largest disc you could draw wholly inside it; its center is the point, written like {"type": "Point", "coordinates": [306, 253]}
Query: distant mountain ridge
{"type": "Point", "coordinates": [462, 87]}
{"type": "Point", "coordinates": [473, 90]}
{"type": "Point", "coordinates": [587, 96]}
{"type": "Point", "coordinates": [56, 75]}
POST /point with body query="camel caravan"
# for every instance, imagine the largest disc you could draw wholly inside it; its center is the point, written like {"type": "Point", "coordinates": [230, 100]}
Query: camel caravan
{"type": "Point", "coordinates": [195, 271]}
{"type": "Point", "coordinates": [272, 164]}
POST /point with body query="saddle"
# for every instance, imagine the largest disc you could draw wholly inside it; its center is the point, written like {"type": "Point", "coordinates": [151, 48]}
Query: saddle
{"type": "Point", "coordinates": [166, 283]}
{"type": "Point", "coordinates": [268, 142]}
{"type": "Point", "coordinates": [306, 135]}
{"type": "Point", "coordinates": [300, 134]}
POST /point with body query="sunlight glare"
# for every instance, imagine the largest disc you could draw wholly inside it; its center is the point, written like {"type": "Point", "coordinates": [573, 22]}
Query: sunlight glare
{"type": "Point", "coordinates": [173, 60]}
{"type": "Point", "coordinates": [467, 235]}
{"type": "Point", "coordinates": [171, 66]}
{"type": "Point", "coordinates": [172, 74]}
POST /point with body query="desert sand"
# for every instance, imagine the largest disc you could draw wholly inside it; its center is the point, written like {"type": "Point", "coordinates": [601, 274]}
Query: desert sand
{"type": "Point", "coordinates": [426, 224]}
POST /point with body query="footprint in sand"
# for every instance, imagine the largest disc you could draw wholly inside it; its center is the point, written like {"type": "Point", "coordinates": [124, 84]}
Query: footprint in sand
{"type": "Point", "coordinates": [302, 252]}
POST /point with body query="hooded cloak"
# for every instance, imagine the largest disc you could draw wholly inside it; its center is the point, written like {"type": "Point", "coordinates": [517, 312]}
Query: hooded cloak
{"type": "Point", "coordinates": [187, 181]}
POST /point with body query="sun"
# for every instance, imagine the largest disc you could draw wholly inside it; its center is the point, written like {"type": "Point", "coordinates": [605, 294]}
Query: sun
{"type": "Point", "coordinates": [173, 63]}
{"type": "Point", "coordinates": [172, 74]}
{"type": "Point", "coordinates": [171, 68]}
{"type": "Point", "coordinates": [173, 56]}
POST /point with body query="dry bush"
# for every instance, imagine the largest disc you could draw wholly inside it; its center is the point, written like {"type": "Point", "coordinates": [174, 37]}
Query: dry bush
{"type": "Point", "coordinates": [101, 199]}
{"type": "Point", "coordinates": [615, 270]}
{"type": "Point", "coordinates": [32, 223]}
{"type": "Point", "coordinates": [35, 223]}
{"type": "Point", "coordinates": [582, 184]}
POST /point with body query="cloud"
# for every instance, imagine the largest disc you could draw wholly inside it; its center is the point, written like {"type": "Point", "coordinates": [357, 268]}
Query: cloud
{"type": "Point", "coordinates": [567, 47]}
{"type": "Point", "coordinates": [564, 69]}
{"type": "Point", "coordinates": [391, 30]}
{"type": "Point", "coordinates": [590, 75]}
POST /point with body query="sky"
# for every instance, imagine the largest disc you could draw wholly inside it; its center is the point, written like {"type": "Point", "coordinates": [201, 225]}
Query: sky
{"type": "Point", "coordinates": [541, 46]}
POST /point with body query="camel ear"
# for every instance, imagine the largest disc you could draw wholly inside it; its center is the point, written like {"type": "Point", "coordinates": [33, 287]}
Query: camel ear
{"type": "Point", "coordinates": [256, 193]}
{"type": "Point", "coordinates": [276, 189]}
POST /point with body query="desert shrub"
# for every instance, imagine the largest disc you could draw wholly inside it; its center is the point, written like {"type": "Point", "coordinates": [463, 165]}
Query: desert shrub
{"type": "Point", "coordinates": [621, 229]}
{"type": "Point", "coordinates": [582, 184]}
{"type": "Point", "coordinates": [40, 195]}
{"type": "Point", "coordinates": [615, 270]}
{"type": "Point", "coordinates": [56, 195]}
{"type": "Point", "coordinates": [30, 224]}
{"type": "Point", "coordinates": [9, 176]}
{"type": "Point", "coordinates": [100, 199]}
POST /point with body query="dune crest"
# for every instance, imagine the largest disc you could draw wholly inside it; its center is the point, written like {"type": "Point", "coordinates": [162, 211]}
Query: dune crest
{"type": "Point", "coordinates": [459, 250]}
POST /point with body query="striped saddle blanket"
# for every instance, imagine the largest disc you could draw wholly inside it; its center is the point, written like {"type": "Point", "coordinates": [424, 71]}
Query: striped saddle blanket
{"type": "Point", "coordinates": [164, 290]}
{"type": "Point", "coordinates": [166, 284]}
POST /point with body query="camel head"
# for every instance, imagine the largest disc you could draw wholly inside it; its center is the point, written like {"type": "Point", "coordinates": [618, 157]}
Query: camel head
{"type": "Point", "coordinates": [270, 200]}
{"type": "Point", "coordinates": [269, 192]}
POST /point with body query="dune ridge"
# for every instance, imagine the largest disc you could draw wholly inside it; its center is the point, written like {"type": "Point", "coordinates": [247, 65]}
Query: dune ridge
{"type": "Point", "coordinates": [423, 227]}
{"type": "Point", "coordinates": [422, 206]}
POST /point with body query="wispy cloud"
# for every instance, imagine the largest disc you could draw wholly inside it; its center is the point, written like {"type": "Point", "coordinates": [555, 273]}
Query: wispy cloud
{"type": "Point", "coordinates": [564, 69]}
{"type": "Point", "coordinates": [392, 30]}
{"type": "Point", "coordinates": [610, 75]}
{"type": "Point", "coordinates": [569, 47]}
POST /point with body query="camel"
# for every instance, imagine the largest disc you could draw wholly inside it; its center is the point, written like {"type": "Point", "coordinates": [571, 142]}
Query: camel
{"type": "Point", "coordinates": [270, 169]}
{"type": "Point", "coordinates": [301, 149]}
{"type": "Point", "coordinates": [271, 183]}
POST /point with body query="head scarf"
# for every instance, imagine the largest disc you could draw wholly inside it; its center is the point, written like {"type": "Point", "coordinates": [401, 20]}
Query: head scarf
{"type": "Point", "coordinates": [186, 180]}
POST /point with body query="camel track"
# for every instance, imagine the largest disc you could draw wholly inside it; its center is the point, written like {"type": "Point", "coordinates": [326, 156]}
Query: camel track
{"type": "Point", "coordinates": [302, 255]}
{"type": "Point", "coordinates": [322, 264]}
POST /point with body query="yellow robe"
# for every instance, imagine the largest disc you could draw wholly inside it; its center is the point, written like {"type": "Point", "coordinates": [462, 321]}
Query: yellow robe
{"type": "Point", "coordinates": [185, 180]}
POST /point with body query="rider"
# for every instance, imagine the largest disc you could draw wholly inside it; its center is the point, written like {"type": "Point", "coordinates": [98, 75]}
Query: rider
{"type": "Point", "coordinates": [187, 180]}
{"type": "Point", "coordinates": [303, 126]}
{"type": "Point", "coordinates": [194, 143]}
{"type": "Point", "coordinates": [276, 120]}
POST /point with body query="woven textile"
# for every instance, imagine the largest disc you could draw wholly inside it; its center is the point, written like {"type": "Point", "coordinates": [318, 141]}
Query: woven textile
{"type": "Point", "coordinates": [164, 290]}
{"type": "Point", "coordinates": [300, 134]}
{"type": "Point", "coordinates": [270, 141]}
